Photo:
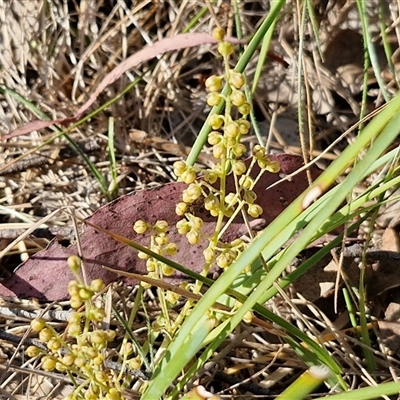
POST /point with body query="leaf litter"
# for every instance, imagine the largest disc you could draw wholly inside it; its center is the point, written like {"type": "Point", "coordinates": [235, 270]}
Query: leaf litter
{"type": "Point", "coordinates": [178, 42]}
{"type": "Point", "coordinates": [335, 106]}
{"type": "Point", "coordinates": [35, 278]}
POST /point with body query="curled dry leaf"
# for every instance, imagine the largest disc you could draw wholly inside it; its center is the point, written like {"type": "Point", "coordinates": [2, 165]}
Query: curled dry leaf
{"type": "Point", "coordinates": [46, 275]}
{"type": "Point", "coordinates": [177, 42]}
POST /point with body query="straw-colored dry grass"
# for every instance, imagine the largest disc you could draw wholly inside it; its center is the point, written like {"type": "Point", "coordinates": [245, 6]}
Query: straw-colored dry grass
{"type": "Point", "coordinates": [55, 53]}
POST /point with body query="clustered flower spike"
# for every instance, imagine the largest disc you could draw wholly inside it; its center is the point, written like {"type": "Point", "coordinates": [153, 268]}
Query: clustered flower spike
{"type": "Point", "coordinates": [225, 137]}
{"type": "Point", "coordinates": [82, 350]}
{"type": "Point", "coordinates": [160, 243]}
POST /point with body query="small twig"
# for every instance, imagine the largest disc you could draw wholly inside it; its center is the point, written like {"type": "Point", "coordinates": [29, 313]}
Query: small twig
{"type": "Point", "coordinates": [18, 313]}
{"type": "Point", "coordinates": [356, 251]}
{"type": "Point", "coordinates": [61, 232]}
{"type": "Point", "coordinates": [9, 337]}
{"type": "Point", "coordinates": [251, 387]}
{"type": "Point", "coordinates": [38, 160]}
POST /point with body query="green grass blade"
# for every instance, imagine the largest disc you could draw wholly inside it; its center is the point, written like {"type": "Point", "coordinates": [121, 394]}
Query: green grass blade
{"type": "Point", "coordinates": [179, 353]}
{"type": "Point", "coordinates": [305, 384]}
{"type": "Point", "coordinates": [193, 22]}
{"type": "Point", "coordinates": [367, 393]}
{"type": "Point", "coordinates": [131, 336]}
{"type": "Point", "coordinates": [373, 56]}
{"type": "Point", "coordinates": [386, 128]}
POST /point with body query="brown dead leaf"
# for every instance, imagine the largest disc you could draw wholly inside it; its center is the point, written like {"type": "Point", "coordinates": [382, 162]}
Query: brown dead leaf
{"type": "Point", "coordinates": [389, 328]}
{"type": "Point", "coordinates": [385, 273]}
{"type": "Point", "coordinates": [45, 275]}
{"type": "Point", "coordinates": [390, 240]}
{"type": "Point", "coordinates": [319, 282]}
{"type": "Point", "coordinates": [345, 47]}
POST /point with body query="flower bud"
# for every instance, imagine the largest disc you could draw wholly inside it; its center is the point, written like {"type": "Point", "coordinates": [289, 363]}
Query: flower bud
{"type": "Point", "coordinates": [218, 34]}
{"type": "Point", "coordinates": [222, 260]}
{"type": "Point", "coordinates": [74, 262]}
{"type": "Point", "coordinates": [167, 270]}
{"type": "Point", "coordinates": [238, 98]}
{"type": "Point", "coordinates": [161, 239]}
{"type": "Point", "coordinates": [46, 334]}
{"type": "Point", "coordinates": [228, 212]}
{"type": "Point", "coordinates": [179, 168]}
{"type": "Point", "coordinates": [140, 227]}
{"type": "Point", "coordinates": [196, 223]}
{"type": "Point", "coordinates": [161, 226]}
{"type": "Point", "coordinates": [208, 254]}
{"type": "Point", "coordinates": [189, 176]}
{"type": "Point", "coordinates": [74, 330]}
{"type": "Point", "coordinates": [73, 288]}
{"type": "Point", "coordinates": [248, 317]}
{"type": "Point", "coordinates": [79, 362]}
{"type": "Point", "coordinates": [239, 167]}
{"type": "Point", "coordinates": [113, 394]}
{"type": "Point", "coordinates": [245, 108]}
{"type": "Point", "coordinates": [215, 121]}
{"type": "Point", "coordinates": [75, 317]}
{"type": "Point", "coordinates": [85, 293]}
{"type": "Point", "coordinates": [214, 138]}
{"type": "Point", "coordinates": [183, 226]}
{"type": "Point", "coordinates": [231, 129]}
{"type": "Point", "coordinates": [181, 208]}
{"type": "Point", "coordinates": [98, 360]}
{"type": "Point", "coordinates": [272, 166]}
{"type": "Point", "coordinates": [194, 190]}
{"type": "Point", "coordinates": [32, 351]}
{"type": "Point", "coordinates": [98, 337]}
{"type": "Point", "coordinates": [151, 265]}
{"type": "Point", "coordinates": [254, 210]}
{"type": "Point", "coordinates": [97, 285]}
{"type": "Point", "coordinates": [38, 324]}
{"type": "Point", "coordinates": [231, 199]}
{"type": "Point", "coordinates": [258, 151]}
{"type": "Point", "coordinates": [214, 83]}
{"type": "Point", "coordinates": [249, 197]}
{"type": "Point", "coordinates": [171, 249]}
{"type": "Point", "coordinates": [213, 99]}
{"type": "Point", "coordinates": [142, 256]}
{"type": "Point", "coordinates": [246, 182]}
{"type": "Point", "coordinates": [225, 48]}
{"type": "Point", "coordinates": [236, 79]}
{"type": "Point", "coordinates": [211, 202]}
{"type": "Point", "coordinates": [97, 314]}
{"type": "Point", "coordinates": [219, 151]}
{"type": "Point", "coordinates": [244, 126]}
{"type": "Point", "coordinates": [68, 359]}
{"type": "Point", "coordinates": [110, 335]}
{"type": "Point", "coordinates": [48, 363]}
{"type": "Point", "coordinates": [54, 344]}
{"type": "Point", "coordinates": [75, 301]}
{"type": "Point", "coordinates": [193, 236]}
{"type": "Point", "coordinates": [172, 297]}
{"type": "Point", "coordinates": [210, 176]}
{"type": "Point", "coordinates": [238, 149]}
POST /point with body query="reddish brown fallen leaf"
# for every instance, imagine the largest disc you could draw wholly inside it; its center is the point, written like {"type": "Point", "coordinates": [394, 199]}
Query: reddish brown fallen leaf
{"type": "Point", "coordinates": [45, 275]}
{"type": "Point", "coordinates": [177, 42]}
